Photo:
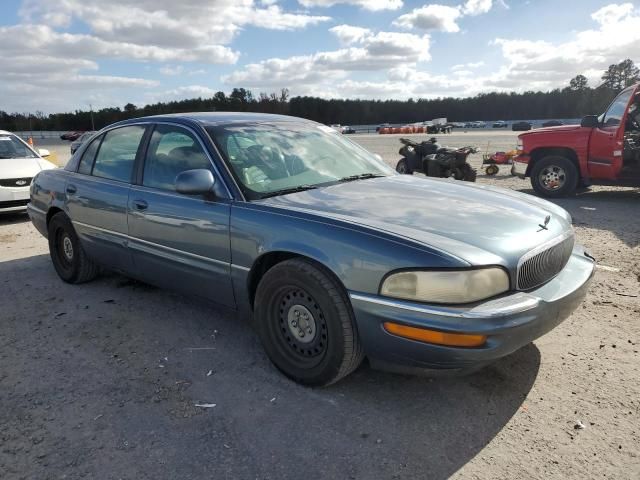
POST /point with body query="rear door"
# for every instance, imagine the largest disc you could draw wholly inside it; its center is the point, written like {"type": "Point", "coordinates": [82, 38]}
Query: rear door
{"type": "Point", "coordinates": [97, 195]}
{"type": "Point", "coordinates": [180, 241]}
{"type": "Point", "coordinates": [606, 143]}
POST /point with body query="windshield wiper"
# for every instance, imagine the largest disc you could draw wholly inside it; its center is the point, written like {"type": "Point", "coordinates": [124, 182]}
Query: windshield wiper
{"type": "Point", "coordinates": [285, 191]}
{"type": "Point", "coordinates": [360, 176]}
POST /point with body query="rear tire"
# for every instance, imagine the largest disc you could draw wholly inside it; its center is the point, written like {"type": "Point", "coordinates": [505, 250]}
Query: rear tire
{"type": "Point", "coordinates": [403, 168]}
{"type": "Point", "coordinates": [306, 325]}
{"type": "Point", "coordinates": [71, 263]}
{"type": "Point", "coordinates": [554, 176]}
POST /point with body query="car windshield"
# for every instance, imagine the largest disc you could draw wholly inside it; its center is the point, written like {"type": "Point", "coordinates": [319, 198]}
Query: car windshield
{"type": "Point", "coordinates": [12, 147]}
{"type": "Point", "coordinates": [276, 158]}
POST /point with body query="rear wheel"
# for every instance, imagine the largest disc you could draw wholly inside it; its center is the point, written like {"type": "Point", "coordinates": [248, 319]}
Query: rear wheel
{"type": "Point", "coordinates": [67, 255]}
{"type": "Point", "coordinates": [554, 176]}
{"type": "Point", "coordinates": [306, 324]}
{"type": "Point", "coordinates": [403, 167]}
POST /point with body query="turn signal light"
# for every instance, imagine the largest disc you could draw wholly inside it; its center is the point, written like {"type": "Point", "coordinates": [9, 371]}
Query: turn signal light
{"type": "Point", "coordinates": [432, 336]}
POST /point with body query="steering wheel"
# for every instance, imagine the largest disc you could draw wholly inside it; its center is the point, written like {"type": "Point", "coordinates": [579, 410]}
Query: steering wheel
{"type": "Point", "coordinates": [269, 159]}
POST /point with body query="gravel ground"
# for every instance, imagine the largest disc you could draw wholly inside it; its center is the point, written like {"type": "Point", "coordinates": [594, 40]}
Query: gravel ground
{"type": "Point", "coordinates": [101, 380]}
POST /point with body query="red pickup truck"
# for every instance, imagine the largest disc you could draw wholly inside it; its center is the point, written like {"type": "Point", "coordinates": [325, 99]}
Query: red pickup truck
{"type": "Point", "coordinates": [602, 150]}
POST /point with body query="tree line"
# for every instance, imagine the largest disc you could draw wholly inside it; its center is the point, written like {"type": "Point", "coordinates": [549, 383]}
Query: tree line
{"type": "Point", "coordinates": [573, 101]}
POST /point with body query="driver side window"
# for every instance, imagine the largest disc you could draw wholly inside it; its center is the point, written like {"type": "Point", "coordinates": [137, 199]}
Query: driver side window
{"type": "Point", "coordinates": [172, 150]}
{"type": "Point", "coordinates": [613, 116]}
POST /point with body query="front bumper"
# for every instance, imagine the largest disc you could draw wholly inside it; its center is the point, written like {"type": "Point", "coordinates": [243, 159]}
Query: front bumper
{"type": "Point", "coordinates": [509, 322]}
{"type": "Point", "coordinates": [520, 165]}
{"type": "Point", "coordinates": [13, 198]}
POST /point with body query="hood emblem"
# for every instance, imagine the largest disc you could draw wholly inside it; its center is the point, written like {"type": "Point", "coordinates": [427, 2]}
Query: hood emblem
{"type": "Point", "coordinates": [543, 226]}
{"type": "Point", "coordinates": [21, 183]}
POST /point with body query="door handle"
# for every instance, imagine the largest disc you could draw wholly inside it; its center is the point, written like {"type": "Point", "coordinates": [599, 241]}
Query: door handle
{"type": "Point", "coordinates": [140, 204]}
{"type": "Point", "coordinates": [71, 189]}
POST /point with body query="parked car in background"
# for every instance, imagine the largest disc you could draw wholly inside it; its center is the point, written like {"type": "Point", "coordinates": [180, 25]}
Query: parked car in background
{"type": "Point", "coordinates": [329, 249]}
{"type": "Point", "coordinates": [552, 123]}
{"type": "Point", "coordinates": [602, 150]}
{"type": "Point", "coordinates": [71, 136]}
{"type": "Point", "coordinates": [80, 140]}
{"type": "Point", "coordinates": [347, 129]}
{"type": "Point", "coordinates": [500, 124]}
{"type": "Point", "coordinates": [19, 163]}
{"type": "Point", "coordinates": [478, 124]}
{"type": "Point", "coordinates": [521, 126]}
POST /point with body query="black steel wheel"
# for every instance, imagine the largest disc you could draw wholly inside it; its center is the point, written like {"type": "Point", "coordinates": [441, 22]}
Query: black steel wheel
{"type": "Point", "coordinates": [306, 324]}
{"type": "Point", "coordinates": [69, 260]}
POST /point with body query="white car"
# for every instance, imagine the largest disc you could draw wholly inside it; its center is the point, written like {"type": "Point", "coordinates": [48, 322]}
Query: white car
{"type": "Point", "coordinates": [19, 163]}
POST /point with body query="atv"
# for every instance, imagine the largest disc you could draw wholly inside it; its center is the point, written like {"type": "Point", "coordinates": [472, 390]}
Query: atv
{"type": "Point", "coordinates": [433, 160]}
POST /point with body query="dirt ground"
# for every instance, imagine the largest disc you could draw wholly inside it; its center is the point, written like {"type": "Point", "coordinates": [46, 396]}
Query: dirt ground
{"type": "Point", "coordinates": [101, 380]}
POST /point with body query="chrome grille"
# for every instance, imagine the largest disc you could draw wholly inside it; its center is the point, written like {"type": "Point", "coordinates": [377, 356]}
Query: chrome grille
{"type": "Point", "coordinates": [542, 264]}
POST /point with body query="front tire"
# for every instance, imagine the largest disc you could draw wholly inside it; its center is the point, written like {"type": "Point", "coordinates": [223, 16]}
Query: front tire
{"type": "Point", "coordinates": [403, 168]}
{"type": "Point", "coordinates": [69, 260]}
{"type": "Point", "coordinates": [554, 176]}
{"type": "Point", "coordinates": [306, 324]}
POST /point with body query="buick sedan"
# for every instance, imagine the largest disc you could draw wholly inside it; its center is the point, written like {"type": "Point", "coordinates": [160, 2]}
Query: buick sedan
{"type": "Point", "coordinates": [332, 254]}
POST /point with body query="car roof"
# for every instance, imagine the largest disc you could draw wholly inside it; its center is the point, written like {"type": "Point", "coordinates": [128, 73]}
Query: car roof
{"type": "Point", "coordinates": [217, 118]}
{"type": "Point", "coordinates": [4, 132]}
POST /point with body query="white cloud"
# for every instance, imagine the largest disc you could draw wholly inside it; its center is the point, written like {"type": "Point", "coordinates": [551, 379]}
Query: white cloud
{"type": "Point", "coordinates": [467, 66]}
{"type": "Point", "coordinates": [373, 5]}
{"type": "Point", "coordinates": [348, 34]}
{"type": "Point", "coordinates": [431, 17]}
{"type": "Point", "coordinates": [443, 17]}
{"type": "Point", "coordinates": [166, 23]}
{"type": "Point", "coordinates": [365, 51]}
{"type": "Point", "coordinates": [476, 7]}
{"type": "Point", "coordinates": [549, 64]}
{"type": "Point", "coordinates": [176, 31]}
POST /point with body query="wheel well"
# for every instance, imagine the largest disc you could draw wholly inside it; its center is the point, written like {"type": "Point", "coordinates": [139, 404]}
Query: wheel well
{"type": "Point", "coordinates": [539, 153]}
{"type": "Point", "coordinates": [267, 261]}
{"type": "Point", "coordinates": [52, 211]}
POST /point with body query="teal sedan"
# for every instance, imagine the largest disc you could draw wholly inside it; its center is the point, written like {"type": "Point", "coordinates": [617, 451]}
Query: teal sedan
{"type": "Point", "coordinates": [332, 255]}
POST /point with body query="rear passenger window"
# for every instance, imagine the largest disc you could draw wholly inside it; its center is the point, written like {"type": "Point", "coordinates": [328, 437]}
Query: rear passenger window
{"type": "Point", "coordinates": [118, 152]}
{"type": "Point", "coordinates": [86, 162]}
{"type": "Point", "coordinates": [172, 150]}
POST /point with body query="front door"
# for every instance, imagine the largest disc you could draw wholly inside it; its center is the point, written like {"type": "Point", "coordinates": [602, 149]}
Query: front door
{"type": "Point", "coordinates": [179, 241]}
{"type": "Point", "coordinates": [97, 195]}
{"type": "Point", "coordinates": [606, 144]}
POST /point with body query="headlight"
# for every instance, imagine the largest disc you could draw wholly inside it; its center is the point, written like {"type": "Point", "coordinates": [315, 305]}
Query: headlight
{"type": "Point", "coordinates": [453, 286]}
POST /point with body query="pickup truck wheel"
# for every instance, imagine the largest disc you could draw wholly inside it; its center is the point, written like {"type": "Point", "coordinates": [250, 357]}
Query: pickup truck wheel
{"type": "Point", "coordinates": [71, 263]}
{"type": "Point", "coordinates": [403, 168]}
{"type": "Point", "coordinates": [554, 176]}
{"type": "Point", "coordinates": [306, 325]}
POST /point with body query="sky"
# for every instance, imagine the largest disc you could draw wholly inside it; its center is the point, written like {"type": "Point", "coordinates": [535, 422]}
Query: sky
{"type": "Point", "coordinates": [63, 55]}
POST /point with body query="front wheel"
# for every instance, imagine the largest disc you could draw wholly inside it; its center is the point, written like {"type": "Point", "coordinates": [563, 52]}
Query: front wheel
{"type": "Point", "coordinates": [67, 254]}
{"type": "Point", "coordinates": [306, 324]}
{"type": "Point", "coordinates": [554, 176]}
{"type": "Point", "coordinates": [403, 167]}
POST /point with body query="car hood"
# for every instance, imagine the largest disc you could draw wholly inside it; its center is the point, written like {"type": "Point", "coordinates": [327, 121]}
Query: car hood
{"type": "Point", "coordinates": [558, 129]}
{"type": "Point", "coordinates": [477, 224]}
{"type": "Point", "coordinates": [22, 167]}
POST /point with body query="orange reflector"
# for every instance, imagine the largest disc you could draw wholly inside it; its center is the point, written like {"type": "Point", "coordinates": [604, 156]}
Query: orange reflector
{"type": "Point", "coordinates": [431, 336]}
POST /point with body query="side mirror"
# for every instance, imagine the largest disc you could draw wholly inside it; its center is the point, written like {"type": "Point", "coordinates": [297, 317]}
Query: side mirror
{"type": "Point", "coordinates": [43, 152]}
{"type": "Point", "coordinates": [590, 121]}
{"type": "Point", "coordinates": [195, 182]}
